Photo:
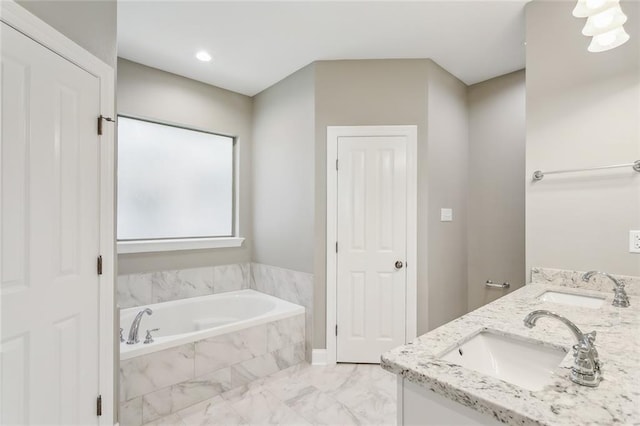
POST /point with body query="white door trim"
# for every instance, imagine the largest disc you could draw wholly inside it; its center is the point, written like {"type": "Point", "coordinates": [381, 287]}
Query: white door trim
{"type": "Point", "coordinates": [333, 132]}
{"type": "Point", "coordinates": [20, 19]}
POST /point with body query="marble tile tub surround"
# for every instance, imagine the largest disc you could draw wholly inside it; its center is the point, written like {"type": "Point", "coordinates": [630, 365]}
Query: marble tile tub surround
{"type": "Point", "coordinates": [573, 279]}
{"type": "Point", "coordinates": [155, 287]}
{"type": "Point", "coordinates": [343, 394]}
{"type": "Point", "coordinates": [162, 286]}
{"type": "Point", "coordinates": [292, 286]}
{"type": "Point", "coordinates": [615, 401]}
{"type": "Point", "coordinates": [154, 387]}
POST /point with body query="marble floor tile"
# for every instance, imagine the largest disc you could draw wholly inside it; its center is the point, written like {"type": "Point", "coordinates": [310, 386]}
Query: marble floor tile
{"type": "Point", "coordinates": [244, 391]}
{"type": "Point", "coordinates": [261, 407]}
{"type": "Point", "coordinates": [343, 394]}
{"type": "Point", "coordinates": [289, 388]}
{"type": "Point", "coordinates": [319, 408]}
{"type": "Point", "coordinates": [176, 397]}
{"type": "Point", "coordinates": [328, 378]}
{"type": "Point", "coordinates": [368, 402]}
{"type": "Point", "coordinates": [365, 379]}
{"type": "Point", "coordinates": [377, 410]}
{"type": "Point", "coordinates": [215, 411]}
{"type": "Point", "coordinates": [131, 412]}
{"type": "Point", "coordinates": [172, 420]}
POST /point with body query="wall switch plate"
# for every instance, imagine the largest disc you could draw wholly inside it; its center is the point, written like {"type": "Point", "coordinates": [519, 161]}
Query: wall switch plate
{"type": "Point", "coordinates": [446, 215]}
{"type": "Point", "coordinates": [634, 241]}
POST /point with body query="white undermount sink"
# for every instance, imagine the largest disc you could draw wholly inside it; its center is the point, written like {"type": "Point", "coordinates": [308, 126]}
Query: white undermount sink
{"type": "Point", "coordinates": [515, 360]}
{"type": "Point", "coordinates": [571, 299]}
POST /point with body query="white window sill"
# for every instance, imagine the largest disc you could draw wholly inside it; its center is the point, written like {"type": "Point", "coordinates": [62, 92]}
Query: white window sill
{"type": "Point", "coordinates": [149, 246]}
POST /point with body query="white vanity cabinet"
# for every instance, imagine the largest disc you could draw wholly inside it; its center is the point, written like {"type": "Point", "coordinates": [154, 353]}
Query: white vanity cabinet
{"type": "Point", "coordinates": [418, 405]}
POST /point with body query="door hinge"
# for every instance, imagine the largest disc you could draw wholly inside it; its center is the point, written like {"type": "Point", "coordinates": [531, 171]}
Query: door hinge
{"type": "Point", "coordinates": [336, 164]}
{"type": "Point", "coordinates": [99, 265]}
{"type": "Point", "coordinates": [336, 329]}
{"type": "Point", "coordinates": [336, 246]}
{"type": "Point", "coordinates": [100, 120]}
{"type": "Point", "coordinates": [99, 405]}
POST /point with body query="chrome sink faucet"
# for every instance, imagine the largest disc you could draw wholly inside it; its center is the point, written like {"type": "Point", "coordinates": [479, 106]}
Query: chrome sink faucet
{"type": "Point", "coordinates": [586, 363]}
{"type": "Point", "coordinates": [135, 325]}
{"type": "Point", "coordinates": [620, 298]}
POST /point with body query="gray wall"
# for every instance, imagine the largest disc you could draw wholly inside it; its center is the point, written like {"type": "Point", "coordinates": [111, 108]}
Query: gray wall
{"type": "Point", "coordinates": [446, 182]}
{"type": "Point", "coordinates": [397, 92]}
{"type": "Point", "coordinates": [289, 155]}
{"type": "Point", "coordinates": [150, 93]}
{"type": "Point", "coordinates": [352, 93]}
{"type": "Point", "coordinates": [583, 110]}
{"type": "Point", "coordinates": [283, 173]}
{"type": "Point", "coordinates": [496, 186]}
{"type": "Point", "coordinates": [91, 24]}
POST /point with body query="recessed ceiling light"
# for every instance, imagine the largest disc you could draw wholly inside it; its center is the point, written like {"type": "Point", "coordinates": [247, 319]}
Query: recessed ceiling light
{"type": "Point", "coordinates": [203, 56]}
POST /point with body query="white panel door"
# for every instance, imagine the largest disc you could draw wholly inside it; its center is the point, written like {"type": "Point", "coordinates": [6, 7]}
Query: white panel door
{"type": "Point", "coordinates": [372, 238]}
{"type": "Point", "coordinates": [50, 237]}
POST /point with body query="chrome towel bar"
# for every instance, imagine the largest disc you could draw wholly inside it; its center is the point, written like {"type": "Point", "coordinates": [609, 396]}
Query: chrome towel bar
{"type": "Point", "coordinates": [491, 284]}
{"type": "Point", "coordinates": [538, 174]}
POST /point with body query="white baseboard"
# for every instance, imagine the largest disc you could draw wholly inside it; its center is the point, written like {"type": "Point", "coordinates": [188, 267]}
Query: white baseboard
{"type": "Point", "coordinates": [319, 357]}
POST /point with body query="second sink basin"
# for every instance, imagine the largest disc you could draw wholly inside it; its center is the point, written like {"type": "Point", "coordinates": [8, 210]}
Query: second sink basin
{"type": "Point", "coordinates": [572, 299]}
{"type": "Point", "coordinates": [515, 360]}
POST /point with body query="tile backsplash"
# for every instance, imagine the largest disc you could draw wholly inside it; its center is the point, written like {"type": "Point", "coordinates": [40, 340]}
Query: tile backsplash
{"type": "Point", "coordinates": [568, 278]}
{"type": "Point", "coordinates": [162, 286]}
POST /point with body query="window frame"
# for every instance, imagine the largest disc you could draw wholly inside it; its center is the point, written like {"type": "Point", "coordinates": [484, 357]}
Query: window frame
{"type": "Point", "coordinates": [150, 245]}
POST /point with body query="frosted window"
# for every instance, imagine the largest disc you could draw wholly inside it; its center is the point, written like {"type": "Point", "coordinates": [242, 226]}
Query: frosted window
{"type": "Point", "coordinates": [173, 182]}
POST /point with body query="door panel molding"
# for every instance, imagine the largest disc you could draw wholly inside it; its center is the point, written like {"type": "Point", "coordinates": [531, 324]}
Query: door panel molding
{"type": "Point", "coordinates": [333, 135]}
{"type": "Point", "coordinates": [28, 24]}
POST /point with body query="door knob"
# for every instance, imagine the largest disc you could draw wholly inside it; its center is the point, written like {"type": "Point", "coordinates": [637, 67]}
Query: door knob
{"type": "Point", "coordinates": [399, 264]}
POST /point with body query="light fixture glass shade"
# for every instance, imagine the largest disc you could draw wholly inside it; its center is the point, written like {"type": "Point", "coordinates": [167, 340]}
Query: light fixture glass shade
{"type": "Point", "coordinates": [608, 40]}
{"type": "Point", "coordinates": [586, 8]}
{"type": "Point", "coordinates": [605, 21]}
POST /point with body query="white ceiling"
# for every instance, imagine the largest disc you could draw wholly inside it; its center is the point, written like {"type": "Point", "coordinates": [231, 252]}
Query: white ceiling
{"type": "Point", "coordinates": [256, 44]}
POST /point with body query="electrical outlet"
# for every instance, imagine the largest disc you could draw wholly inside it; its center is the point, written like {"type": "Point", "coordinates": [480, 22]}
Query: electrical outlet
{"type": "Point", "coordinates": [634, 241]}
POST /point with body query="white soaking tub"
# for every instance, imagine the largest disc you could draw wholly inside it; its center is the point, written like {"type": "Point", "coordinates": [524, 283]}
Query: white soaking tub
{"type": "Point", "coordinates": [190, 320]}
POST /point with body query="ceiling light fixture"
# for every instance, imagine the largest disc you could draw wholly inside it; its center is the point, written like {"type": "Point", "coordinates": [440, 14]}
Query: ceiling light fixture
{"type": "Point", "coordinates": [586, 8]}
{"type": "Point", "coordinates": [605, 20]}
{"type": "Point", "coordinates": [203, 56]}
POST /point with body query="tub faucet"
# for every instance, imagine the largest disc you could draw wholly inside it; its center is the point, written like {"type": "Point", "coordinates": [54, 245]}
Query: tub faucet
{"type": "Point", "coordinates": [586, 363]}
{"type": "Point", "coordinates": [133, 332]}
{"type": "Point", "coordinates": [620, 299]}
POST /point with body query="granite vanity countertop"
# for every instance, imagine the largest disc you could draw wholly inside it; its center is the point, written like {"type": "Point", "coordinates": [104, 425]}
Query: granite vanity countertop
{"type": "Point", "coordinates": [615, 401]}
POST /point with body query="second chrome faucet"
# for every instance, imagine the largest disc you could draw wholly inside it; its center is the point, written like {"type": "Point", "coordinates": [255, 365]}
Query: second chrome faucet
{"type": "Point", "coordinates": [586, 363]}
{"type": "Point", "coordinates": [620, 298]}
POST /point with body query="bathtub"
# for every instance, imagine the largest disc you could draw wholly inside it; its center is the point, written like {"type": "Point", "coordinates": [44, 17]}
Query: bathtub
{"type": "Point", "coordinates": [194, 319]}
